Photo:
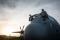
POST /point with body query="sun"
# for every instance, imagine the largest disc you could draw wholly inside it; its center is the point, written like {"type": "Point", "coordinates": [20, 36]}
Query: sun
{"type": "Point", "coordinates": [8, 30]}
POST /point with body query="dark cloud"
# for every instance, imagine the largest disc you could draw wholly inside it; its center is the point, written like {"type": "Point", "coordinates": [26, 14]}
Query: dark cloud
{"type": "Point", "coordinates": [43, 2]}
{"type": "Point", "coordinates": [26, 4]}
{"type": "Point", "coordinates": [7, 3]}
{"type": "Point", "coordinates": [13, 3]}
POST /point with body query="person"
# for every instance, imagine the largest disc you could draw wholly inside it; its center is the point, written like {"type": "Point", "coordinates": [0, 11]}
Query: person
{"type": "Point", "coordinates": [30, 18]}
{"type": "Point", "coordinates": [44, 14]}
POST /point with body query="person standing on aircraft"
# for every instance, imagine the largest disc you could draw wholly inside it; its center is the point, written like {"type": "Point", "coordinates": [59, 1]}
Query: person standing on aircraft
{"type": "Point", "coordinates": [44, 14]}
{"type": "Point", "coordinates": [31, 17]}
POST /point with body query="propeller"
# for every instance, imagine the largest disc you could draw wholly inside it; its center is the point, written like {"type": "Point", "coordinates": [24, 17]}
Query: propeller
{"type": "Point", "coordinates": [21, 32]}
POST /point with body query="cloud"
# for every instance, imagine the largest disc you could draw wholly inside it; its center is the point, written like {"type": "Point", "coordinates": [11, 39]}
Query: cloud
{"type": "Point", "coordinates": [26, 6]}
{"type": "Point", "coordinates": [35, 3]}
{"type": "Point", "coordinates": [7, 3]}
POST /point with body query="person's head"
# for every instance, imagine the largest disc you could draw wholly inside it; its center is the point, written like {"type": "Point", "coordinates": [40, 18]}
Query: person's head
{"type": "Point", "coordinates": [42, 9]}
{"type": "Point", "coordinates": [29, 14]}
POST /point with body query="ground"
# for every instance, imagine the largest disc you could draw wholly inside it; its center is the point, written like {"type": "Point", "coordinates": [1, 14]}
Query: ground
{"type": "Point", "coordinates": [3, 37]}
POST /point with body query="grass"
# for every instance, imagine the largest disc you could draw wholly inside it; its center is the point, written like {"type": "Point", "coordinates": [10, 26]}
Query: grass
{"type": "Point", "coordinates": [3, 37]}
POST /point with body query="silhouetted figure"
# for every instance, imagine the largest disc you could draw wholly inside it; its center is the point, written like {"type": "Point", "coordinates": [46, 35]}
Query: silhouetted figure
{"type": "Point", "coordinates": [21, 33]}
{"type": "Point", "coordinates": [31, 17]}
{"type": "Point", "coordinates": [44, 14]}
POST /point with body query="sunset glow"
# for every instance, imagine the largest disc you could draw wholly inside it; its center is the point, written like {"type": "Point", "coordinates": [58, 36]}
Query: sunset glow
{"type": "Point", "coordinates": [8, 30]}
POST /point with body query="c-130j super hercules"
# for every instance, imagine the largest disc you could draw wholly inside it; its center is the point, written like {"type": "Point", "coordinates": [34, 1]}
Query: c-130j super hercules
{"type": "Point", "coordinates": [42, 27]}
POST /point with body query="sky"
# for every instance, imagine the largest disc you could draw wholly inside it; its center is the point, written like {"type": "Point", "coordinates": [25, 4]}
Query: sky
{"type": "Point", "coordinates": [15, 13]}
